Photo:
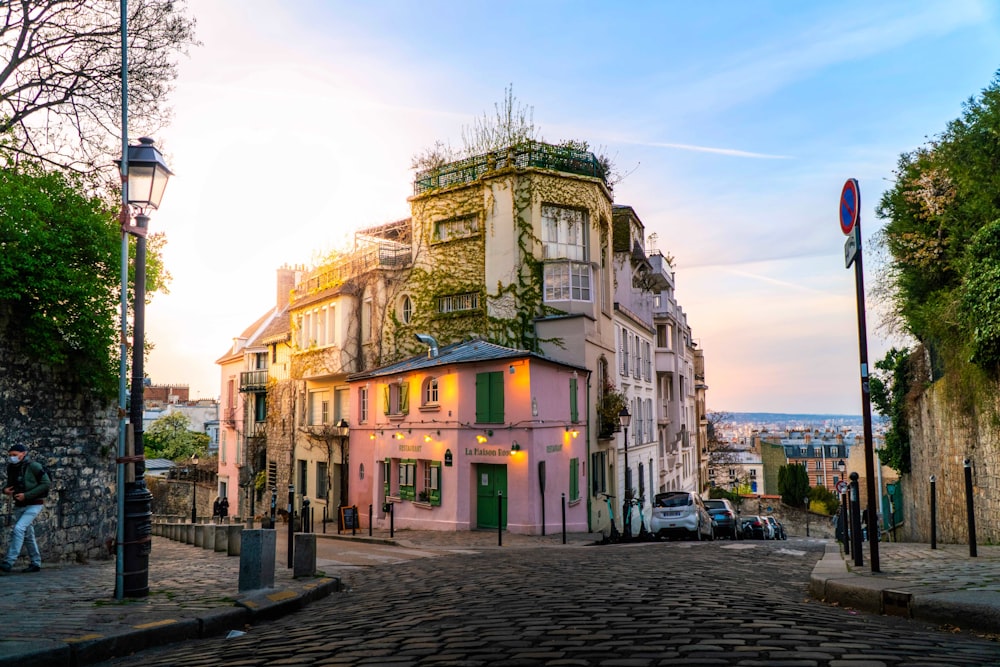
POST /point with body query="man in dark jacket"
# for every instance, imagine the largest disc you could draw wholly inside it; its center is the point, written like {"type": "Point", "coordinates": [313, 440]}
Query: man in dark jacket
{"type": "Point", "coordinates": [27, 484]}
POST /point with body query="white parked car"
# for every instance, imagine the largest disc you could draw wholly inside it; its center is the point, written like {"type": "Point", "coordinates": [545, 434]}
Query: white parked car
{"type": "Point", "coordinates": [681, 513]}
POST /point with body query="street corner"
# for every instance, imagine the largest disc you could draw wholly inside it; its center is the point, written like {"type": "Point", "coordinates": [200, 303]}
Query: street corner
{"type": "Point", "coordinates": [269, 603]}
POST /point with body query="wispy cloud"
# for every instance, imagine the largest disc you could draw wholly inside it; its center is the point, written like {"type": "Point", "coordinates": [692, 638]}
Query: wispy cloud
{"type": "Point", "coordinates": [709, 149]}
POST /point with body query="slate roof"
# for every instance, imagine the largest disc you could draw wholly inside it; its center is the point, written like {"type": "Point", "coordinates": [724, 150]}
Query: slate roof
{"type": "Point", "coordinates": [457, 353]}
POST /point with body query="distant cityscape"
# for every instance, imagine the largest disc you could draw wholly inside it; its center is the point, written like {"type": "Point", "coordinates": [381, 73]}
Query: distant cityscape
{"type": "Point", "coordinates": [777, 421]}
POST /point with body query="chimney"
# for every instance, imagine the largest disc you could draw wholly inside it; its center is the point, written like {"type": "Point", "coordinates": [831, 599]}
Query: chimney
{"type": "Point", "coordinates": [286, 283]}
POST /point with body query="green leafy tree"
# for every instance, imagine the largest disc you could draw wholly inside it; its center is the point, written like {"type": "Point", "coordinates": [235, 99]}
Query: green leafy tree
{"type": "Point", "coordinates": [60, 82]}
{"type": "Point", "coordinates": [793, 484]}
{"type": "Point", "coordinates": [823, 499]}
{"type": "Point", "coordinates": [890, 384]}
{"type": "Point", "coordinates": [169, 437]}
{"type": "Point", "coordinates": [941, 236]}
{"type": "Point", "coordinates": [60, 273]}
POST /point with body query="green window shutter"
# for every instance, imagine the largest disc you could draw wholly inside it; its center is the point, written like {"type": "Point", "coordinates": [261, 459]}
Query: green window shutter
{"type": "Point", "coordinates": [387, 464]}
{"type": "Point", "coordinates": [404, 398]}
{"type": "Point", "coordinates": [574, 413]}
{"type": "Point", "coordinates": [434, 492]}
{"type": "Point", "coordinates": [574, 479]}
{"type": "Point", "coordinates": [407, 479]}
{"type": "Point", "coordinates": [482, 397]}
{"type": "Point", "coordinates": [385, 399]}
{"type": "Point", "coordinates": [496, 397]}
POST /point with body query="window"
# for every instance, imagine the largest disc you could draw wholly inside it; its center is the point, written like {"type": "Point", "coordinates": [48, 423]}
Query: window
{"type": "Point", "coordinates": [649, 419]}
{"type": "Point", "coordinates": [429, 394]}
{"type": "Point", "coordinates": [366, 320]}
{"type": "Point", "coordinates": [341, 404]}
{"type": "Point", "coordinates": [598, 473]}
{"type": "Point", "coordinates": [574, 412]}
{"type": "Point", "coordinates": [819, 480]}
{"type": "Point", "coordinates": [819, 465]}
{"type": "Point", "coordinates": [303, 480]}
{"type": "Point", "coordinates": [458, 302]}
{"type": "Point", "coordinates": [567, 281]}
{"type": "Point", "coordinates": [456, 228]}
{"type": "Point", "coordinates": [363, 405]}
{"type": "Point", "coordinates": [623, 348]}
{"type": "Point", "coordinates": [564, 233]}
{"type": "Point", "coordinates": [636, 349]}
{"type": "Point", "coordinates": [574, 479]}
{"type": "Point", "coordinates": [319, 407]}
{"type": "Point", "coordinates": [647, 368]}
{"type": "Point", "coordinates": [407, 479]}
{"type": "Point", "coordinates": [397, 398]}
{"type": "Point", "coordinates": [489, 397]}
{"type": "Point", "coordinates": [431, 473]}
{"type": "Point", "coordinates": [322, 480]}
{"type": "Point", "coordinates": [406, 309]}
{"type": "Point", "coordinates": [260, 407]}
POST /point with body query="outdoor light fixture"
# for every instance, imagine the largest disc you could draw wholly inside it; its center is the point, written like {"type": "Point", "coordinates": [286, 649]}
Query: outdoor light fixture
{"type": "Point", "coordinates": [480, 438]}
{"type": "Point", "coordinates": [515, 447]}
{"type": "Point", "coordinates": [624, 418]}
{"type": "Point", "coordinates": [427, 437]}
{"type": "Point", "coordinates": [372, 436]}
{"type": "Point", "coordinates": [841, 466]}
{"type": "Point", "coordinates": [144, 176]}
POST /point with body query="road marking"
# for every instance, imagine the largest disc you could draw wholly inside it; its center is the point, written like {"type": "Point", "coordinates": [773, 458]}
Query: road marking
{"type": "Point", "coordinates": [792, 552]}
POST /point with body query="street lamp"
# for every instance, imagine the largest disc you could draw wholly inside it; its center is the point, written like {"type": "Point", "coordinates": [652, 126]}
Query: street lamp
{"type": "Point", "coordinates": [144, 178]}
{"type": "Point", "coordinates": [194, 487]}
{"type": "Point", "coordinates": [624, 418]}
{"type": "Point", "coordinates": [343, 432]}
{"type": "Point", "coordinates": [845, 531]}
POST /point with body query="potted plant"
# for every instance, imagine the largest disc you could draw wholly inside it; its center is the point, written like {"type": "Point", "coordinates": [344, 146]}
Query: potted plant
{"type": "Point", "coordinates": [608, 408]}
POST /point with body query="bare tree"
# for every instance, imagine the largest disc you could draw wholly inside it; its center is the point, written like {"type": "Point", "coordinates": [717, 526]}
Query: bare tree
{"type": "Point", "coordinates": [60, 83]}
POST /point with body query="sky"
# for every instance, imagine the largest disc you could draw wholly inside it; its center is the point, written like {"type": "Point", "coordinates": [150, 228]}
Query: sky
{"type": "Point", "coordinates": [734, 123]}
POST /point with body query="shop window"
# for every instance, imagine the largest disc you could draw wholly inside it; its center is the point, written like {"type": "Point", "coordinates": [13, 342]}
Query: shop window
{"type": "Point", "coordinates": [407, 479]}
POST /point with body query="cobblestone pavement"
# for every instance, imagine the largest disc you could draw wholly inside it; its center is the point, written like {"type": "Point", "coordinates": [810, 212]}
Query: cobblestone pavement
{"type": "Point", "coordinates": [678, 603]}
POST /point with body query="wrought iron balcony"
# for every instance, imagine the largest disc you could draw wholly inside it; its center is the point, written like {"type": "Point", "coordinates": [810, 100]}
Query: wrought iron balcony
{"type": "Point", "coordinates": [253, 380]}
{"type": "Point", "coordinates": [527, 154]}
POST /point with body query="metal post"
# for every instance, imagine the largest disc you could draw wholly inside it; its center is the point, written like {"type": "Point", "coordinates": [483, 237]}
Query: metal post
{"type": "Point", "coordinates": [392, 519]}
{"type": "Point", "coordinates": [969, 509]}
{"type": "Point", "coordinates": [859, 558]}
{"type": "Point", "coordinates": [354, 525]}
{"type": "Point", "coordinates": [291, 524]}
{"type": "Point", "coordinates": [541, 487]}
{"type": "Point", "coordinates": [626, 518]}
{"type": "Point", "coordinates": [274, 504]}
{"type": "Point", "coordinates": [194, 489]}
{"type": "Point", "coordinates": [806, 501]}
{"type": "Point", "coordinates": [306, 516]}
{"type": "Point", "coordinates": [844, 525]}
{"type": "Point", "coordinates": [123, 333]}
{"type": "Point", "coordinates": [499, 518]}
{"type": "Point", "coordinates": [564, 518]}
{"type": "Point", "coordinates": [370, 517]}
{"type": "Point", "coordinates": [933, 512]}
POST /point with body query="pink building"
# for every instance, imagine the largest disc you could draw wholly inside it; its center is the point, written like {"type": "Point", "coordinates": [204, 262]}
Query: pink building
{"type": "Point", "coordinates": [472, 435]}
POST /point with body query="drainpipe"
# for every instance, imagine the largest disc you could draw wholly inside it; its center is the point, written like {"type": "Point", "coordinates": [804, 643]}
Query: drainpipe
{"type": "Point", "coordinates": [590, 527]}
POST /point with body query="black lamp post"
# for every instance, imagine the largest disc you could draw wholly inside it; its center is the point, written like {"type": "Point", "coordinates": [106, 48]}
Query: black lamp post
{"type": "Point", "coordinates": [344, 433]}
{"type": "Point", "coordinates": [145, 176]}
{"type": "Point", "coordinates": [624, 418]}
{"type": "Point", "coordinates": [194, 487]}
{"type": "Point", "coordinates": [842, 468]}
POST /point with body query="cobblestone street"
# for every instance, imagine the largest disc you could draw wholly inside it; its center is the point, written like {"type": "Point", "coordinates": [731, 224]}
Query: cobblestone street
{"type": "Point", "coordinates": [676, 603]}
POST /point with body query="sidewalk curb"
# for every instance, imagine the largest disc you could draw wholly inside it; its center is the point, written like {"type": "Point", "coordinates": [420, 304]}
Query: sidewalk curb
{"type": "Point", "coordinates": [254, 606]}
{"type": "Point", "coordinates": [832, 582]}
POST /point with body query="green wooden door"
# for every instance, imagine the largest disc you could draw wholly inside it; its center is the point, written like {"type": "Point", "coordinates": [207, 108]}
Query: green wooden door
{"type": "Point", "coordinates": [491, 481]}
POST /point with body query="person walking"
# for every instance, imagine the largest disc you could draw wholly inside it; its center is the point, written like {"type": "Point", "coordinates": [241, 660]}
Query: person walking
{"type": "Point", "coordinates": [27, 484]}
{"type": "Point", "coordinates": [224, 509]}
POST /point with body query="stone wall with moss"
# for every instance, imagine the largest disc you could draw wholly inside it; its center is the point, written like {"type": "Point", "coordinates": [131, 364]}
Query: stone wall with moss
{"type": "Point", "coordinates": [76, 436]}
{"type": "Point", "coordinates": [941, 439]}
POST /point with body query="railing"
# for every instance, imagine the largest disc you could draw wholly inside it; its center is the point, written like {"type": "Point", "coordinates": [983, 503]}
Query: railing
{"type": "Point", "coordinates": [527, 154]}
{"type": "Point", "coordinates": [386, 255]}
{"type": "Point", "coordinates": [253, 380]}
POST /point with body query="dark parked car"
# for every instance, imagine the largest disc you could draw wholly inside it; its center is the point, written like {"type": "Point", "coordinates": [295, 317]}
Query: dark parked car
{"type": "Point", "coordinates": [725, 517]}
{"type": "Point", "coordinates": [755, 528]}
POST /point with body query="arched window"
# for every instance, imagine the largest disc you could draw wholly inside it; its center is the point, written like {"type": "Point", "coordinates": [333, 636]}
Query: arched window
{"type": "Point", "coordinates": [406, 309]}
{"type": "Point", "coordinates": [429, 394]}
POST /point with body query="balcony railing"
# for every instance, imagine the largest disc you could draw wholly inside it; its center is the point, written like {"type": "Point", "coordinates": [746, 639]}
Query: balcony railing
{"type": "Point", "coordinates": [527, 154]}
{"type": "Point", "coordinates": [253, 380]}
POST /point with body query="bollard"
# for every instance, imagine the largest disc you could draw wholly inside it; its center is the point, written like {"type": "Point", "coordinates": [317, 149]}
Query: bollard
{"type": "Point", "coordinates": [233, 537]}
{"type": "Point", "coordinates": [499, 518]}
{"type": "Point", "coordinates": [208, 539]}
{"type": "Point", "coordinates": [306, 520]}
{"type": "Point", "coordinates": [354, 524]}
{"type": "Point", "coordinates": [221, 538]}
{"type": "Point", "coordinates": [859, 558]}
{"type": "Point", "coordinates": [305, 555]}
{"type": "Point", "coordinates": [564, 517]}
{"type": "Point", "coordinates": [933, 512]}
{"type": "Point", "coordinates": [392, 517]}
{"type": "Point", "coordinates": [969, 508]}
{"type": "Point", "coordinates": [369, 520]}
{"type": "Point", "coordinates": [291, 524]}
{"type": "Point", "coordinates": [257, 559]}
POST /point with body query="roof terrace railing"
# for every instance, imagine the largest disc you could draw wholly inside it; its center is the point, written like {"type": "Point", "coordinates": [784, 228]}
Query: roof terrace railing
{"type": "Point", "coordinates": [527, 154]}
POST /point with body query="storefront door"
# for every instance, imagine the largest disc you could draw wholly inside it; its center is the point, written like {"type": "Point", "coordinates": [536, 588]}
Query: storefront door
{"type": "Point", "coordinates": [491, 482]}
